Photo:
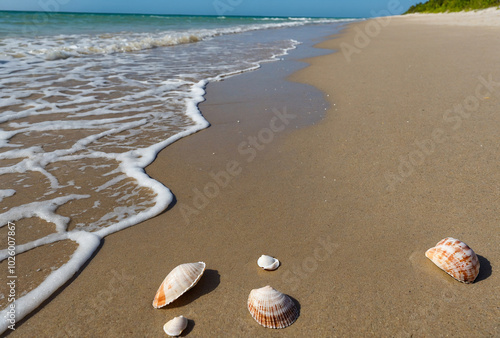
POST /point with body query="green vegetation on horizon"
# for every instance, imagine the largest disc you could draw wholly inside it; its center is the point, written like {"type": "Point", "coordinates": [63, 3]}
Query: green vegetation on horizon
{"type": "Point", "coordinates": [440, 6]}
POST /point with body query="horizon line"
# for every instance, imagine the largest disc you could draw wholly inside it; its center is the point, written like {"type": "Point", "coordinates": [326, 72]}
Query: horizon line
{"type": "Point", "coordinates": [187, 15]}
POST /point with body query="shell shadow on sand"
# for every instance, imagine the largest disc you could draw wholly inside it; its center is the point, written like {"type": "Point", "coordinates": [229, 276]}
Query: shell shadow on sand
{"type": "Point", "coordinates": [297, 305]}
{"type": "Point", "coordinates": [208, 282]}
{"type": "Point", "coordinates": [188, 329]}
{"type": "Point", "coordinates": [485, 270]}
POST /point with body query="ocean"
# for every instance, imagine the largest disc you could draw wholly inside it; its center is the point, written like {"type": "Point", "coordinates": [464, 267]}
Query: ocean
{"type": "Point", "coordinates": [87, 101]}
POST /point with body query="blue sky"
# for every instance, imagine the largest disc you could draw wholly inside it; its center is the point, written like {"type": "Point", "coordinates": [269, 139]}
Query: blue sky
{"type": "Point", "coordinates": [321, 8]}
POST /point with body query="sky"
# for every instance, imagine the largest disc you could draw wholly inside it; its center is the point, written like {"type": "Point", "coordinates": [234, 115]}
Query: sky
{"type": "Point", "coordinates": [300, 8]}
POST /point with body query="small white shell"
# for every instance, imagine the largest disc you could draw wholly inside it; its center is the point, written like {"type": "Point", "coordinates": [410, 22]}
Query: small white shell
{"type": "Point", "coordinates": [268, 262]}
{"type": "Point", "coordinates": [456, 258]}
{"type": "Point", "coordinates": [175, 326]}
{"type": "Point", "coordinates": [177, 282]}
{"type": "Point", "coordinates": [271, 308]}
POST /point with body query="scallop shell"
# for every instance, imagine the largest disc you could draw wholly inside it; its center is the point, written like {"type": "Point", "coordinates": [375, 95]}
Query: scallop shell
{"type": "Point", "coordinates": [268, 262]}
{"type": "Point", "coordinates": [177, 282]}
{"type": "Point", "coordinates": [175, 326]}
{"type": "Point", "coordinates": [455, 258]}
{"type": "Point", "coordinates": [271, 308]}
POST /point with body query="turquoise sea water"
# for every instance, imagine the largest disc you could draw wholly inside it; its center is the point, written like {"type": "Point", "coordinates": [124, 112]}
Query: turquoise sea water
{"type": "Point", "coordinates": [44, 23]}
{"type": "Point", "coordinates": [49, 24]}
{"type": "Point", "coordinates": [60, 35]}
{"type": "Point", "coordinates": [88, 100]}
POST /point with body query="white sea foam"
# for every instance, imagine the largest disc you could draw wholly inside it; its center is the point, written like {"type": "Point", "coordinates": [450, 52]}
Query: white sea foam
{"type": "Point", "coordinates": [6, 193]}
{"type": "Point", "coordinates": [79, 123]}
{"type": "Point", "coordinates": [87, 244]}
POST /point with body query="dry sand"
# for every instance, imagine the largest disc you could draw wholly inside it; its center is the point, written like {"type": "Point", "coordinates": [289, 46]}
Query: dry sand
{"type": "Point", "coordinates": [351, 241]}
{"type": "Point", "coordinates": [489, 17]}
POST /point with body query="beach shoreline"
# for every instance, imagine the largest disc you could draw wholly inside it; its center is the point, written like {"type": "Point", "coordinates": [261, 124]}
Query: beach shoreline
{"type": "Point", "coordinates": [348, 205]}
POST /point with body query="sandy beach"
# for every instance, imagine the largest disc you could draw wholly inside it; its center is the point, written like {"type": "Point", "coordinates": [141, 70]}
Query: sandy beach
{"type": "Point", "coordinates": [348, 198]}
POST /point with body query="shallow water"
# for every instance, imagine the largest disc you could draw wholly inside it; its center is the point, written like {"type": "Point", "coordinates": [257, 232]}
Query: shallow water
{"type": "Point", "coordinates": [84, 112]}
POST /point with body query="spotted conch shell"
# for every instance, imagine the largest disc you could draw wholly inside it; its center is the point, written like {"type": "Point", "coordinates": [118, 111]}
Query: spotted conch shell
{"type": "Point", "coordinates": [271, 308]}
{"type": "Point", "coordinates": [175, 326]}
{"type": "Point", "coordinates": [456, 259]}
{"type": "Point", "coordinates": [177, 282]}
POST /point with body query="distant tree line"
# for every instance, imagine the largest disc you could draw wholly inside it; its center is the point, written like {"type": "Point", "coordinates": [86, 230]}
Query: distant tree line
{"type": "Point", "coordinates": [439, 6]}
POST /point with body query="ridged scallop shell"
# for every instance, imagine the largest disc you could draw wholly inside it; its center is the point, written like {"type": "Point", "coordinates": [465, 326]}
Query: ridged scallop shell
{"type": "Point", "coordinates": [175, 326]}
{"type": "Point", "coordinates": [177, 282]}
{"type": "Point", "coordinates": [268, 262]}
{"type": "Point", "coordinates": [456, 258]}
{"type": "Point", "coordinates": [271, 308]}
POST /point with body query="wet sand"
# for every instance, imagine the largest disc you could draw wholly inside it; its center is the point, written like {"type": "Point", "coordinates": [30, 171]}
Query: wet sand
{"type": "Point", "coordinates": [349, 204]}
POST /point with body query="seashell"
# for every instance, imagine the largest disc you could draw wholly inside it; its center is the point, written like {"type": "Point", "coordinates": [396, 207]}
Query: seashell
{"type": "Point", "coordinates": [177, 282]}
{"type": "Point", "coordinates": [271, 308]}
{"type": "Point", "coordinates": [175, 326]}
{"type": "Point", "coordinates": [455, 258]}
{"type": "Point", "coordinates": [268, 262]}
